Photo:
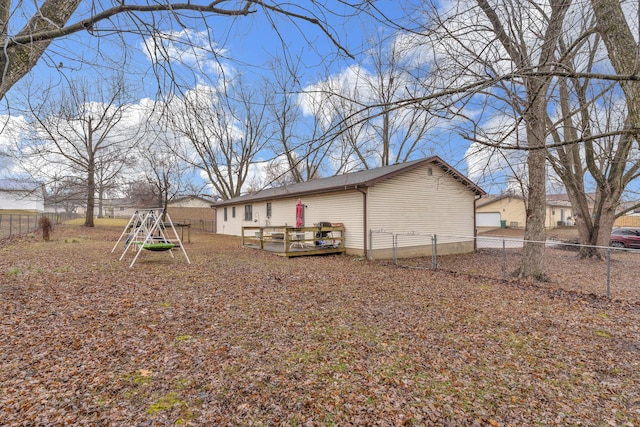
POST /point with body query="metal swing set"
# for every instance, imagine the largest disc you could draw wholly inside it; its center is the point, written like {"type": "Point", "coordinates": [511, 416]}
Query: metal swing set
{"type": "Point", "coordinates": [147, 230]}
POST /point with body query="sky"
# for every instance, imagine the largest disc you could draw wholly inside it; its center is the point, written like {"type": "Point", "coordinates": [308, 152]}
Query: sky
{"type": "Point", "coordinates": [243, 45]}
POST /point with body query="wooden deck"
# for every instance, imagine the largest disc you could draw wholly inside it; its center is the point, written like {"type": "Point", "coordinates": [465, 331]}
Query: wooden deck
{"type": "Point", "coordinates": [291, 241]}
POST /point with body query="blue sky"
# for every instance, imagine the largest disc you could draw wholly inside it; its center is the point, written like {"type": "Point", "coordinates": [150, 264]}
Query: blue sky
{"type": "Point", "coordinates": [246, 44]}
{"type": "Point", "coordinates": [249, 44]}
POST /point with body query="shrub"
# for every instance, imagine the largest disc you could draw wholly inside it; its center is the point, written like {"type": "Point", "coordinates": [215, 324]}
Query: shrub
{"type": "Point", "coordinates": [46, 227]}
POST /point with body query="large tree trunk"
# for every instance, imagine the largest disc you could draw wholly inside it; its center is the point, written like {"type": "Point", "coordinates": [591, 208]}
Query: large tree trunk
{"type": "Point", "coordinates": [91, 198]}
{"type": "Point", "coordinates": [594, 233]}
{"type": "Point", "coordinates": [91, 179]}
{"type": "Point", "coordinates": [18, 60]}
{"type": "Point", "coordinates": [534, 232]}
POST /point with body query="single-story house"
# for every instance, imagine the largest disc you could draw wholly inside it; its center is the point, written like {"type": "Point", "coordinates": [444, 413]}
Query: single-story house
{"type": "Point", "coordinates": [508, 210]}
{"type": "Point", "coordinates": [21, 195]}
{"type": "Point", "coordinates": [195, 210]}
{"type": "Point", "coordinates": [191, 202]}
{"type": "Point", "coordinates": [417, 198]}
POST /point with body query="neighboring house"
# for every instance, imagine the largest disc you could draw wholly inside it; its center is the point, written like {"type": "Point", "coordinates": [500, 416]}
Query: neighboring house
{"type": "Point", "coordinates": [117, 208]}
{"type": "Point", "coordinates": [508, 210]}
{"type": "Point", "coordinates": [21, 195]}
{"type": "Point", "coordinates": [188, 209]}
{"type": "Point", "coordinates": [195, 210]}
{"type": "Point", "coordinates": [425, 197]}
{"type": "Point", "coordinates": [191, 202]}
{"type": "Point", "coordinates": [631, 218]}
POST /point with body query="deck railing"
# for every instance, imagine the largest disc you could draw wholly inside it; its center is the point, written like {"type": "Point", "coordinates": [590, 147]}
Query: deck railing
{"type": "Point", "coordinates": [294, 241]}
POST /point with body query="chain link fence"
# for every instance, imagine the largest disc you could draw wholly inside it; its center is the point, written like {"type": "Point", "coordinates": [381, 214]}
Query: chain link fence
{"type": "Point", "coordinates": [19, 224]}
{"type": "Point", "coordinates": [611, 273]}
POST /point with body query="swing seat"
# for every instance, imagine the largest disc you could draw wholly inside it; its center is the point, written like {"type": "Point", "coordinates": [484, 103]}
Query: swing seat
{"type": "Point", "coordinates": [158, 247]}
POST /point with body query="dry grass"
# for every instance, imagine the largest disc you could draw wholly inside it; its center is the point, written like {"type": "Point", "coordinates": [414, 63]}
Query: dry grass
{"type": "Point", "coordinates": [561, 233]}
{"type": "Point", "coordinates": [243, 337]}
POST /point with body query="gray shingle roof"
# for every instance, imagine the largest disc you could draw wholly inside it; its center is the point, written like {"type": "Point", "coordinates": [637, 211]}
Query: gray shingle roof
{"type": "Point", "coordinates": [348, 181]}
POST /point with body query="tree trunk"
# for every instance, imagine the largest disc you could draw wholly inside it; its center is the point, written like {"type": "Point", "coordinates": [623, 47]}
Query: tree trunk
{"type": "Point", "coordinates": [18, 60]}
{"type": "Point", "coordinates": [91, 198]}
{"type": "Point", "coordinates": [534, 232]}
{"type": "Point", "coordinates": [91, 178]}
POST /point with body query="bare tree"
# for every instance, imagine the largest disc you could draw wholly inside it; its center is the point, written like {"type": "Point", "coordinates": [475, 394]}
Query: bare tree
{"type": "Point", "coordinates": [66, 193]}
{"type": "Point", "coordinates": [590, 149]}
{"type": "Point", "coordinates": [336, 104]}
{"type": "Point", "coordinates": [77, 135]}
{"type": "Point", "coordinates": [162, 169]}
{"type": "Point", "coordinates": [141, 193]}
{"type": "Point", "coordinates": [109, 171]}
{"type": "Point", "coordinates": [622, 49]}
{"type": "Point", "coordinates": [226, 129]}
{"type": "Point", "coordinates": [401, 131]}
{"type": "Point", "coordinates": [55, 19]}
{"type": "Point", "coordinates": [362, 111]}
{"type": "Point", "coordinates": [296, 154]}
{"type": "Point", "coordinates": [593, 112]}
{"type": "Point", "coordinates": [533, 112]}
{"type": "Point", "coordinates": [505, 52]}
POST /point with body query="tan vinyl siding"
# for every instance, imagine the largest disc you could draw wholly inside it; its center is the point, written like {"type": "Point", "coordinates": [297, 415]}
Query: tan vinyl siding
{"type": "Point", "coordinates": [343, 207]}
{"type": "Point", "coordinates": [511, 209]}
{"type": "Point", "coordinates": [233, 226]}
{"type": "Point", "coordinates": [513, 212]}
{"type": "Point", "coordinates": [422, 203]}
{"type": "Point", "coordinates": [346, 208]}
{"type": "Point", "coordinates": [557, 214]}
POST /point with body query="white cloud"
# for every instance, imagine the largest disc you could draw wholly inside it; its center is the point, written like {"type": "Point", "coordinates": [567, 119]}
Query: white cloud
{"type": "Point", "coordinates": [325, 99]}
{"type": "Point", "coordinates": [12, 130]}
{"type": "Point", "coordinates": [194, 49]}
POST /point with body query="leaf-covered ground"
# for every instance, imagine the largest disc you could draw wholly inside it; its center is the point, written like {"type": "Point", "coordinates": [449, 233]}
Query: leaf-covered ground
{"type": "Point", "coordinates": [243, 337]}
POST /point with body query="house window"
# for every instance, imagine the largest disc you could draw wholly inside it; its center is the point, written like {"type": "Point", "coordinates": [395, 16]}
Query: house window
{"type": "Point", "coordinates": [225, 213]}
{"type": "Point", "coordinates": [248, 212]}
{"type": "Point", "coordinates": [268, 209]}
{"type": "Point", "coordinates": [233, 212]}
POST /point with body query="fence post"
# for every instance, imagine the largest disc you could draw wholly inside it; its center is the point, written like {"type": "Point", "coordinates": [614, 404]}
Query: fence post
{"type": "Point", "coordinates": [504, 260]}
{"type": "Point", "coordinates": [394, 245]}
{"type": "Point", "coordinates": [434, 252]}
{"type": "Point", "coordinates": [608, 273]}
{"type": "Point", "coordinates": [10, 225]}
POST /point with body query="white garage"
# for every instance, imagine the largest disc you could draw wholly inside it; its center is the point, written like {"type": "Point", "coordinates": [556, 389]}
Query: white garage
{"type": "Point", "coordinates": [488, 219]}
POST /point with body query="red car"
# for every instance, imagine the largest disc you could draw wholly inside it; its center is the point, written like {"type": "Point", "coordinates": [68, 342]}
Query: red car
{"type": "Point", "coordinates": [625, 238]}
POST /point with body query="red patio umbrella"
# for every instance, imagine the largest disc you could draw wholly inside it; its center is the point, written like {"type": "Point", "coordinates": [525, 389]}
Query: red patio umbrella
{"type": "Point", "coordinates": [299, 214]}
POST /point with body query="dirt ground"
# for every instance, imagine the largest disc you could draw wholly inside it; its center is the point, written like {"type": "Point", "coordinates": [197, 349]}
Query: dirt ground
{"type": "Point", "coordinates": [244, 337]}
